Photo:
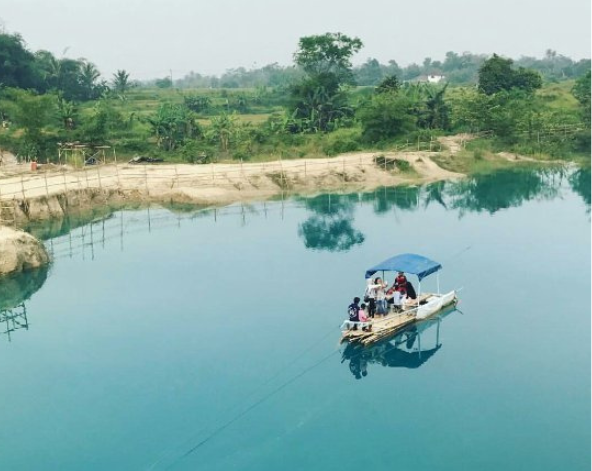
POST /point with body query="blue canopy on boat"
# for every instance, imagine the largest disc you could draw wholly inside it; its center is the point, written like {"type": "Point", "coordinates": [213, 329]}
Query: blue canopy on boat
{"type": "Point", "coordinates": [407, 263]}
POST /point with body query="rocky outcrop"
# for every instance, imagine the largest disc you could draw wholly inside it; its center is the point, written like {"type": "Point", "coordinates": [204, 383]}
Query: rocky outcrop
{"type": "Point", "coordinates": [20, 251]}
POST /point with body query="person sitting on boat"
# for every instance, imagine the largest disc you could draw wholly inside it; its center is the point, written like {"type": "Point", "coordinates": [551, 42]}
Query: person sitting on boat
{"type": "Point", "coordinates": [401, 282]}
{"type": "Point", "coordinates": [362, 316]}
{"type": "Point", "coordinates": [353, 311]}
{"type": "Point", "coordinates": [410, 291]}
{"type": "Point", "coordinates": [370, 297]}
{"type": "Point", "coordinates": [399, 298]}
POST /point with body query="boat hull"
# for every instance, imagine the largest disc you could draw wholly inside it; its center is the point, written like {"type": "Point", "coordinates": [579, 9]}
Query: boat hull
{"type": "Point", "coordinates": [434, 304]}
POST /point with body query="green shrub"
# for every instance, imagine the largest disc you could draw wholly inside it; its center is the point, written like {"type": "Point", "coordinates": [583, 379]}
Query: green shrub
{"type": "Point", "coordinates": [341, 141]}
{"type": "Point", "coordinates": [133, 145]}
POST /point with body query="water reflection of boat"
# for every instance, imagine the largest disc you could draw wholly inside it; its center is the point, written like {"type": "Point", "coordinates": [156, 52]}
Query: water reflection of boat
{"type": "Point", "coordinates": [405, 350]}
{"type": "Point", "coordinates": [423, 306]}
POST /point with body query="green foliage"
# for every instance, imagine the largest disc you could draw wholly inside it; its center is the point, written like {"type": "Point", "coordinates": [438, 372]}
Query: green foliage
{"type": "Point", "coordinates": [222, 129]}
{"type": "Point", "coordinates": [135, 145]}
{"type": "Point", "coordinates": [101, 124]}
{"type": "Point", "coordinates": [30, 112]}
{"type": "Point", "coordinates": [121, 83]}
{"type": "Point", "coordinates": [67, 112]}
{"type": "Point", "coordinates": [193, 152]}
{"type": "Point", "coordinates": [327, 55]}
{"type": "Point", "coordinates": [389, 84]}
{"type": "Point", "coordinates": [17, 64]}
{"type": "Point", "coordinates": [165, 82]}
{"type": "Point", "coordinates": [319, 104]}
{"type": "Point", "coordinates": [309, 109]}
{"type": "Point", "coordinates": [342, 141]}
{"type": "Point", "coordinates": [389, 163]}
{"type": "Point", "coordinates": [369, 73]}
{"type": "Point", "coordinates": [197, 103]}
{"type": "Point", "coordinates": [319, 101]}
{"type": "Point", "coordinates": [497, 74]}
{"type": "Point", "coordinates": [581, 91]}
{"type": "Point", "coordinates": [386, 116]}
{"type": "Point", "coordinates": [171, 124]}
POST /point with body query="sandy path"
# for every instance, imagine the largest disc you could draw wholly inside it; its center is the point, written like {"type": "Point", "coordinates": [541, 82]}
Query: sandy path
{"type": "Point", "coordinates": [214, 183]}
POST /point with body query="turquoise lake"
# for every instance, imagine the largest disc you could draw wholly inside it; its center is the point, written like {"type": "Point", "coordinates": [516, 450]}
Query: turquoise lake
{"type": "Point", "coordinates": [185, 339]}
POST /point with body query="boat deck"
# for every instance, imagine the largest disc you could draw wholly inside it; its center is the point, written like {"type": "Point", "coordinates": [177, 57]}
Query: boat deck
{"type": "Point", "coordinates": [382, 327]}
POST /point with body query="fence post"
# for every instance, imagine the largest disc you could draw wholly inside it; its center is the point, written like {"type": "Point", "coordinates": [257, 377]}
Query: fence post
{"type": "Point", "coordinates": [14, 211]}
{"type": "Point", "coordinates": [46, 187]}
{"type": "Point", "coordinates": [99, 175]}
{"type": "Point", "coordinates": [117, 174]}
{"type": "Point", "coordinates": [23, 188]}
{"type": "Point", "coordinates": [146, 180]}
{"type": "Point", "coordinates": [175, 180]}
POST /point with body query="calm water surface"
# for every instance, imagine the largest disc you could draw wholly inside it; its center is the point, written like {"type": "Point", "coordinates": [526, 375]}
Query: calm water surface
{"type": "Point", "coordinates": [208, 340]}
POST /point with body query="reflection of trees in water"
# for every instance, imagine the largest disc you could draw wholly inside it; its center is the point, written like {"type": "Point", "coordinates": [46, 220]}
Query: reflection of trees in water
{"type": "Point", "coordinates": [331, 225]}
{"type": "Point", "coordinates": [401, 197]}
{"type": "Point", "coordinates": [580, 184]}
{"type": "Point", "coordinates": [504, 189]}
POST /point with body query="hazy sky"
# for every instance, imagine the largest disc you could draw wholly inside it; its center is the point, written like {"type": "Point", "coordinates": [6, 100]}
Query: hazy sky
{"type": "Point", "coordinates": [150, 37]}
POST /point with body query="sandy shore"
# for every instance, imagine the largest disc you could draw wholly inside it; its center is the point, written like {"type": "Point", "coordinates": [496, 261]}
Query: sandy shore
{"type": "Point", "coordinates": [52, 191]}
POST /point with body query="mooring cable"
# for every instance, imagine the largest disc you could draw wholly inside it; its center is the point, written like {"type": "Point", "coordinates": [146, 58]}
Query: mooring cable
{"type": "Point", "coordinates": [242, 402]}
{"type": "Point", "coordinates": [250, 408]}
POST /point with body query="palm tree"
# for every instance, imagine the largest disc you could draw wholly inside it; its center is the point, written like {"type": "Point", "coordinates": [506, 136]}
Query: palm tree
{"type": "Point", "coordinates": [121, 82]}
{"type": "Point", "coordinates": [88, 77]}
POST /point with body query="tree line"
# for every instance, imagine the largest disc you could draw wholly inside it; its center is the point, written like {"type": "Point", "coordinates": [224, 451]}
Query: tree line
{"type": "Point", "coordinates": [320, 107]}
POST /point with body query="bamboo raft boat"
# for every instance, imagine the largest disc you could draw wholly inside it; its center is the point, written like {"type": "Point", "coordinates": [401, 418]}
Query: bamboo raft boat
{"type": "Point", "coordinates": [424, 306]}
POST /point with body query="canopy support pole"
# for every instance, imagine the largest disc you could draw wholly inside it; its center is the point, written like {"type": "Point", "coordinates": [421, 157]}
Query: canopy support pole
{"type": "Point", "coordinates": [438, 281]}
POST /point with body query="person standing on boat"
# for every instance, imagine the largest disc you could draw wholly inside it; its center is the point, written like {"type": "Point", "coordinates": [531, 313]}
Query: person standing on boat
{"type": "Point", "coordinates": [370, 298]}
{"type": "Point", "coordinates": [380, 294]}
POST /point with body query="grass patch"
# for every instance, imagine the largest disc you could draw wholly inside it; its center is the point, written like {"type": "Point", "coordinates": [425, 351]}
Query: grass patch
{"type": "Point", "coordinates": [392, 164]}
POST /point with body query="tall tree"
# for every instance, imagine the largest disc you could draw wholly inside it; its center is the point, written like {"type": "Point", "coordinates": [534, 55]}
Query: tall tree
{"type": "Point", "coordinates": [325, 59]}
{"type": "Point", "coordinates": [327, 54]}
{"type": "Point", "coordinates": [88, 78]}
{"type": "Point", "coordinates": [497, 74]}
{"type": "Point", "coordinates": [17, 64]}
{"type": "Point", "coordinates": [121, 83]}
{"type": "Point", "coordinates": [581, 91]}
